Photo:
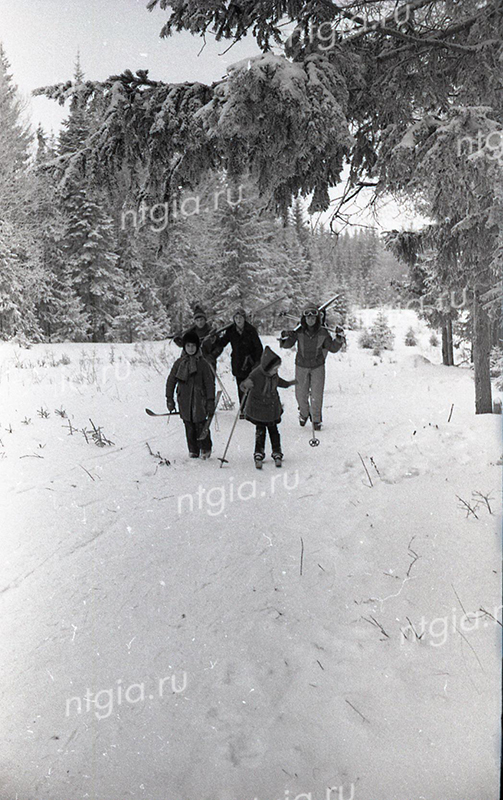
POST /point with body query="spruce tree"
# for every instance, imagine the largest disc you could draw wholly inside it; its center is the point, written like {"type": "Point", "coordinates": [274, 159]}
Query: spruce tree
{"type": "Point", "coordinates": [131, 322]}
{"type": "Point", "coordinates": [90, 247]}
{"type": "Point", "coordinates": [20, 269]}
{"type": "Point", "coordinates": [92, 261]}
{"type": "Point", "coordinates": [242, 252]}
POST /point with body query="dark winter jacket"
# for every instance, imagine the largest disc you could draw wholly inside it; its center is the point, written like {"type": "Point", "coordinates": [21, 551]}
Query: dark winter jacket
{"type": "Point", "coordinates": [263, 406]}
{"type": "Point", "coordinates": [313, 344]}
{"type": "Point", "coordinates": [195, 387]}
{"type": "Point", "coordinates": [207, 347]}
{"type": "Point", "coordinates": [246, 348]}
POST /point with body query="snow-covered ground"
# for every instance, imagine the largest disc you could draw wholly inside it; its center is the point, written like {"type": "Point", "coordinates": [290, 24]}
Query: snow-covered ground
{"type": "Point", "coordinates": [182, 631]}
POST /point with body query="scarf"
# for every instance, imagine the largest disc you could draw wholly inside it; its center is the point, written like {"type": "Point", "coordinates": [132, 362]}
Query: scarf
{"type": "Point", "coordinates": [187, 367]}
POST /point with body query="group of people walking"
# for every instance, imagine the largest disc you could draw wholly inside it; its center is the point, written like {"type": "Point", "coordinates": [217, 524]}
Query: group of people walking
{"type": "Point", "coordinates": [255, 369]}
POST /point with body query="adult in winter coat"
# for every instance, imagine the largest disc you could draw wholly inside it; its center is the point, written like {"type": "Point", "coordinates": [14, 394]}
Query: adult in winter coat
{"type": "Point", "coordinates": [195, 391]}
{"type": "Point", "coordinates": [313, 343]}
{"type": "Point", "coordinates": [263, 407]}
{"type": "Point", "coordinates": [203, 332]}
{"type": "Point", "coordinates": [246, 347]}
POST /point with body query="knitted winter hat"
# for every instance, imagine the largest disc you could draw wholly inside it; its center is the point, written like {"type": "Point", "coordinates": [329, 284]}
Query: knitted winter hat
{"type": "Point", "coordinates": [199, 312]}
{"type": "Point", "coordinates": [239, 310]}
{"type": "Point", "coordinates": [269, 359]}
{"type": "Point", "coordinates": [190, 337]}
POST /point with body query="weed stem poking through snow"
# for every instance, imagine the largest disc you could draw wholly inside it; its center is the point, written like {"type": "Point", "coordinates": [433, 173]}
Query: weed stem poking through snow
{"type": "Point", "coordinates": [366, 470]}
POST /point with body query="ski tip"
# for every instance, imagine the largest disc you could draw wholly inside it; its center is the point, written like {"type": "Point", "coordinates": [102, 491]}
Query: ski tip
{"type": "Point", "coordinates": [149, 412]}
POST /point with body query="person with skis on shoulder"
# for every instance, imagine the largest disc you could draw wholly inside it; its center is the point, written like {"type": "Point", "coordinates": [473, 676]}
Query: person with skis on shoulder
{"type": "Point", "coordinates": [195, 390]}
{"type": "Point", "coordinates": [204, 334]}
{"type": "Point", "coordinates": [263, 407]}
{"type": "Point", "coordinates": [313, 343]}
{"type": "Point", "coordinates": [246, 347]}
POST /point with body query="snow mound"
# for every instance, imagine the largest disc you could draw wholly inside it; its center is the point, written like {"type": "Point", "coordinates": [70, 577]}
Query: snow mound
{"type": "Point", "coordinates": [420, 360]}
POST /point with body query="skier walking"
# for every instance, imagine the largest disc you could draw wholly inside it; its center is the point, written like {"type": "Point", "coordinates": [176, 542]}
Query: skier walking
{"type": "Point", "coordinates": [313, 343]}
{"type": "Point", "coordinates": [203, 331]}
{"type": "Point", "coordinates": [246, 347]}
{"type": "Point", "coordinates": [195, 387]}
{"type": "Point", "coordinates": [263, 407]}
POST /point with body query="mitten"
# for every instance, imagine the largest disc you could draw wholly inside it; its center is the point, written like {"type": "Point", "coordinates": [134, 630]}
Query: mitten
{"type": "Point", "coordinates": [170, 405]}
{"type": "Point", "coordinates": [286, 334]}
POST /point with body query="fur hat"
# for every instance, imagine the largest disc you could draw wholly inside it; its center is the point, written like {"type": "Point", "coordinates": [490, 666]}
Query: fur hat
{"type": "Point", "coordinates": [199, 312]}
{"type": "Point", "coordinates": [190, 337]}
{"type": "Point", "coordinates": [239, 310]}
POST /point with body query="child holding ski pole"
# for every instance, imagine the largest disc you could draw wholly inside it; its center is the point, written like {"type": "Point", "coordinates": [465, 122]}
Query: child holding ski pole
{"type": "Point", "coordinates": [313, 343]}
{"type": "Point", "coordinates": [195, 387]}
{"type": "Point", "coordinates": [263, 407]}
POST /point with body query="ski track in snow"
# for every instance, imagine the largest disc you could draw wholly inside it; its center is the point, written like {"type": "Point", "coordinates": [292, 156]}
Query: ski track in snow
{"type": "Point", "coordinates": [213, 667]}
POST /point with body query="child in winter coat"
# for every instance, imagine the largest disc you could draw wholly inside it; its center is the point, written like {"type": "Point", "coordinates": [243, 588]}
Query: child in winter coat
{"type": "Point", "coordinates": [195, 383]}
{"type": "Point", "coordinates": [263, 407]}
{"type": "Point", "coordinates": [246, 347]}
{"type": "Point", "coordinates": [313, 343]}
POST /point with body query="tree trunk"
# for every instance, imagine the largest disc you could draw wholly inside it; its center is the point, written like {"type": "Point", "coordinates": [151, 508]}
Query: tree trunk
{"type": "Point", "coordinates": [450, 345]}
{"type": "Point", "coordinates": [481, 350]}
{"type": "Point", "coordinates": [447, 347]}
{"type": "Point", "coordinates": [496, 332]}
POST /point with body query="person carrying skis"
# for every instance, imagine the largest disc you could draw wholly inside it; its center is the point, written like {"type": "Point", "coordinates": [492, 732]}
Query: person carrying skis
{"type": "Point", "coordinates": [195, 388]}
{"type": "Point", "coordinates": [203, 331]}
{"type": "Point", "coordinates": [246, 347]}
{"type": "Point", "coordinates": [313, 343]}
{"type": "Point", "coordinates": [263, 407]}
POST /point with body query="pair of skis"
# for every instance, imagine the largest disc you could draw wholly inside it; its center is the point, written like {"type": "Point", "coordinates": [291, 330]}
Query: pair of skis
{"type": "Point", "coordinates": [207, 424]}
{"type": "Point", "coordinates": [314, 441]}
{"type": "Point", "coordinates": [323, 307]}
{"type": "Point", "coordinates": [217, 331]}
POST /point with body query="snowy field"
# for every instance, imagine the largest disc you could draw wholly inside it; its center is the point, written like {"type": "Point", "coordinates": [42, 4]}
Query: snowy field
{"type": "Point", "coordinates": [180, 631]}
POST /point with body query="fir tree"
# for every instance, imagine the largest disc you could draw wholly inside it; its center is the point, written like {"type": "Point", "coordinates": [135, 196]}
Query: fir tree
{"type": "Point", "coordinates": [20, 269]}
{"type": "Point", "coordinates": [131, 322]}
{"type": "Point", "coordinates": [92, 261]}
{"type": "Point", "coordinates": [241, 244]}
{"type": "Point", "coordinates": [140, 268]}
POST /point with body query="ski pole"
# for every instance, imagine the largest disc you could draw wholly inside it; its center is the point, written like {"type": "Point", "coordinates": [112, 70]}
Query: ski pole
{"type": "Point", "coordinates": [223, 460]}
{"type": "Point", "coordinates": [227, 398]}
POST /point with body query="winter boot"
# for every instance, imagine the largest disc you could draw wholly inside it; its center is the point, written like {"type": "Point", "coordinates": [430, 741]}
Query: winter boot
{"type": "Point", "coordinates": [193, 455]}
{"type": "Point", "coordinates": [317, 426]}
{"type": "Point", "coordinates": [302, 420]}
{"type": "Point", "coordinates": [205, 454]}
{"type": "Point", "coordinates": [258, 458]}
{"type": "Point", "coordinates": [278, 457]}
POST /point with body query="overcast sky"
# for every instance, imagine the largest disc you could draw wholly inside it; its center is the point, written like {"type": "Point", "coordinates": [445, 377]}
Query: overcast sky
{"type": "Point", "coordinates": [42, 38]}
